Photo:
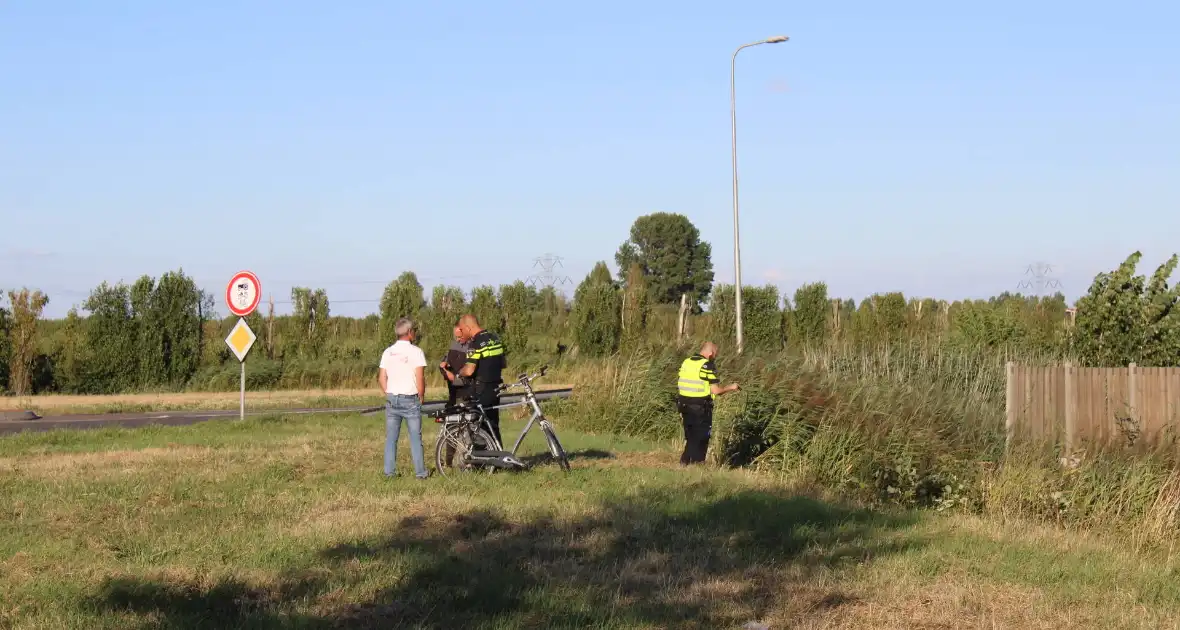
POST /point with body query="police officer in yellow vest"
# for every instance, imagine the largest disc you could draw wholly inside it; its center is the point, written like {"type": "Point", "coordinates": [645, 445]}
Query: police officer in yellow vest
{"type": "Point", "coordinates": [698, 385]}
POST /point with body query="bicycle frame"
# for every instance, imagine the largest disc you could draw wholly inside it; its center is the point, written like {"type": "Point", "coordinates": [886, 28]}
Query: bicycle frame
{"type": "Point", "coordinates": [493, 452]}
{"type": "Point", "coordinates": [530, 400]}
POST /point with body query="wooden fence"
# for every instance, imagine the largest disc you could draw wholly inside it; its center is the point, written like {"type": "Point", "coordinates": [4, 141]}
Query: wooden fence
{"type": "Point", "coordinates": [1074, 404]}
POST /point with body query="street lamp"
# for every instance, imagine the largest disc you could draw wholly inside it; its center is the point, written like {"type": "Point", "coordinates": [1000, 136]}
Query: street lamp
{"type": "Point", "coordinates": [737, 256]}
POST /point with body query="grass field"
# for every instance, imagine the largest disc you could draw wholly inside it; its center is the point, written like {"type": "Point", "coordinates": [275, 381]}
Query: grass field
{"type": "Point", "coordinates": [129, 403]}
{"type": "Point", "coordinates": [282, 522]}
{"type": "Point", "coordinates": [282, 399]}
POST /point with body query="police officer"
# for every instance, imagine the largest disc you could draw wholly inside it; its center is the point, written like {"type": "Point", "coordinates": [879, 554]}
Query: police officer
{"type": "Point", "coordinates": [697, 385]}
{"type": "Point", "coordinates": [458, 388]}
{"type": "Point", "coordinates": [486, 359]}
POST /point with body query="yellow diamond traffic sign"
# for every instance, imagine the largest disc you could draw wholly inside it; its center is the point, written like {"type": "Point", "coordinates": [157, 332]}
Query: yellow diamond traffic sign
{"type": "Point", "coordinates": [241, 339]}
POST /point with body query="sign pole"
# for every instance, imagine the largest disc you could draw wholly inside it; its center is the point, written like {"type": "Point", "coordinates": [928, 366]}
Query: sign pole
{"type": "Point", "coordinates": [242, 296]}
{"type": "Point", "coordinates": [242, 407]}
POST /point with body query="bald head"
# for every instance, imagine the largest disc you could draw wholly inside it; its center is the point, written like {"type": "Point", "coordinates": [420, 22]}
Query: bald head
{"type": "Point", "coordinates": [469, 325]}
{"type": "Point", "coordinates": [709, 350]}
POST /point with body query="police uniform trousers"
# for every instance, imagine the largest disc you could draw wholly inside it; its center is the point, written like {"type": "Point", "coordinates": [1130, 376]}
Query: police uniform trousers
{"type": "Point", "coordinates": [697, 416]}
{"type": "Point", "coordinates": [488, 397]}
{"type": "Point", "coordinates": [458, 394]}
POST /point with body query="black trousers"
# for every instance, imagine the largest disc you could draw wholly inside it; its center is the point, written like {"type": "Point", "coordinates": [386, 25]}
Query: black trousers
{"type": "Point", "coordinates": [454, 396]}
{"type": "Point", "coordinates": [488, 397]}
{"type": "Point", "coordinates": [697, 416]}
{"type": "Point", "coordinates": [457, 394]}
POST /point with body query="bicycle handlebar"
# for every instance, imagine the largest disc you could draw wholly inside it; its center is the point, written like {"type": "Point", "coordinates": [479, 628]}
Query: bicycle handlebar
{"type": "Point", "coordinates": [523, 379]}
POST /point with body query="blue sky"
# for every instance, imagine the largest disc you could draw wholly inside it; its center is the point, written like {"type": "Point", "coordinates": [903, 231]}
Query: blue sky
{"type": "Point", "coordinates": [935, 148]}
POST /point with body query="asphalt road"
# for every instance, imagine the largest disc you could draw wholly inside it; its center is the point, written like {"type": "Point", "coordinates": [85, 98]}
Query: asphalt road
{"type": "Point", "coordinates": [180, 418]}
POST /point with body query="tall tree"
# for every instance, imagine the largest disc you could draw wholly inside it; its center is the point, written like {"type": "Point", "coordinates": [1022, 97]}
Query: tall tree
{"type": "Point", "coordinates": [636, 307]}
{"type": "Point", "coordinates": [70, 356]}
{"type": "Point", "coordinates": [206, 314]}
{"type": "Point", "coordinates": [764, 326]}
{"type": "Point", "coordinates": [1125, 319]}
{"type": "Point", "coordinates": [596, 313]}
{"type": "Point", "coordinates": [811, 314]}
{"type": "Point", "coordinates": [863, 324]}
{"type": "Point", "coordinates": [600, 274]}
{"type": "Point", "coordinates": [310, 320]}
{"type": "Point", "coordinates": [515, 301]}
{"type": "Point", "coordinates": [110, 337]}
{"type": "Point", "coordinates": [149, 329]}
{"type": "Point", "coordinates": [553, 311]}
{"type": "Point", "coordinates": [763, 320]}
{"type": "Point", "coordinates": [402, 298]}
{"type": "Point", "coordinates": [26, 310]}
{"type": "Point", "coordinates": [447, 304]}
{"type": "Point", "coordinates": [178, 304]}
{"type": "Point", "coordinates": [486, 309]}
{"type": "Point", "coordinates": [5, 347]}
{"type": "Point", "coordinates": [532, 297]}
{"type": "Point", "coordinates": [1161, 319]}
{"type": "Point", "coordinates": [550, 306]}
{"type": "Point", "coordinates": [674, 259]}
{"type": "Point", "coordinates": [891, 315]}
{"type": "Point", "coordinates": [723, 318]}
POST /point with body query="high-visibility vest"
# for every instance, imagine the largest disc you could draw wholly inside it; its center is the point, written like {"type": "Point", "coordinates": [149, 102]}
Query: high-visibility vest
{"type": "Point", "coordinates": [689, 383]}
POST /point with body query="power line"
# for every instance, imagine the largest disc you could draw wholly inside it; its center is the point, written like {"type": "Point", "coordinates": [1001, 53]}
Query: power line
{"type": "Point", "coordinates": [331, 301]}
{"type": "Point", "coordinates": [1038, 279]}
{"type": "Point", "coordinates": [548, 277]}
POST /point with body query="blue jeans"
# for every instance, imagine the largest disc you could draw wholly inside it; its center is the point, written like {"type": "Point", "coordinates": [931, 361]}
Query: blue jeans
{"type": "Point", "coordinates": [397, 408]}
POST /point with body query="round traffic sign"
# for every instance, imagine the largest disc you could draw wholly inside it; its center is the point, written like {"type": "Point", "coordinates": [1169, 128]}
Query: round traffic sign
{"type": "Point", "coordinates": [243, 293]}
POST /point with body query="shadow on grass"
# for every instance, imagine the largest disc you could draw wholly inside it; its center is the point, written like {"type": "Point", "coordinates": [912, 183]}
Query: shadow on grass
{"type": "Point", "coordinates": [663, 558]}
{"type": "Point", "coordinates": [545, 458]}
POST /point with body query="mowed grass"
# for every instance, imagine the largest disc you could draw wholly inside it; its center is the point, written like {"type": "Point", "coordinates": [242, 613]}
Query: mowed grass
{"type": "Point", "coordinates": [59, 404]}
{"type": "Point", "coordinates": [55, 404]}
{"type": "Point", "coordinates": [287, 522]}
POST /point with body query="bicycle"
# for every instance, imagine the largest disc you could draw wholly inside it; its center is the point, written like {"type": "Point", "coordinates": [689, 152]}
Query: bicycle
{"type": "Point", "coordinates": [465, 426]}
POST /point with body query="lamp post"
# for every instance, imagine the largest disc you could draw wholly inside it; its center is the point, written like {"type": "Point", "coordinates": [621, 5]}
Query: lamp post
{"type": "Point", "coordinates": [737, 255]}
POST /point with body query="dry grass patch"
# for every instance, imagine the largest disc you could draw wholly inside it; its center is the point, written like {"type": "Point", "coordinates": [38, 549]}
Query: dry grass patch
{"type": "Point", "coordinates": [104, 462]}
{"type": "Point", "coordinates": [57, 404]}
{"type": "Point", "coordinates": [344, 516]}
{"type": "Point", "coordinates": [631, 562]}
{"type": "Point", "coordinates": [62, 403]}
{"type": "Point", "coordinates": [215, 464]}
{"type": "Point", "coordinates": [953, 602]}
{"type": "Point", "coordinates": [289, 523]}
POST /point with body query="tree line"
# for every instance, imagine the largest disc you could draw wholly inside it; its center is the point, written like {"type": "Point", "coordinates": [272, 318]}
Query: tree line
{"type": "Point", "coordinates": [165, 334]}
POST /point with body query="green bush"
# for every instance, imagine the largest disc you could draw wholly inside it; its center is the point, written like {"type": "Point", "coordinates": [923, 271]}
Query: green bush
{"type": "Point", "coordinates": [1125, 319]}
{"type": "Point", "coordinates": [401, 298]}
{"type": "Point", "coordinates": [762, 318]}
{"type": "Point", "coordinates": [515, 305]}
{"type": "Point", "coordinates": [810, 313]}
{"type": "Point", "coordinates": [447, 304]}
{"type": "Point", "coordinates": [849, 426]}
{"type": "Point", "coordinates": [596, 313]}
{"type": "Point", "coordinates": [5, 346]}
{"type": "Point", "coordinates": [636, 308]}
{"type": "Point", "coordinates": [486, 309]}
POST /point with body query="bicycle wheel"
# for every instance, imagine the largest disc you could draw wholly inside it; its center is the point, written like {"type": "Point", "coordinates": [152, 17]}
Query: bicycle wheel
{"type": "Point", "coordinates": [555, 448]}
{"type": "Point", "coordinates": [447, 447]}
{"type": "Point", "coordinates": [483, 441]}
{"type": "Point", "coordinates": [454, 447]}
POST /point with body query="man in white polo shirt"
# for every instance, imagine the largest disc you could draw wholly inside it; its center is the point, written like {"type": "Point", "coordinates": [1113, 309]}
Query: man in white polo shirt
{"type": "Point", "coordinates": [403, 381]}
